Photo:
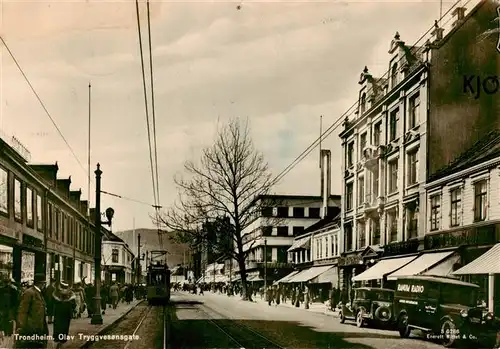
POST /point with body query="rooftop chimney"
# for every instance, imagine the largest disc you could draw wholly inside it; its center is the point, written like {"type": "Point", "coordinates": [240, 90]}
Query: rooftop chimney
{"type": "Point", "coordinates": [92, 214]}
{"type": "Point", "coordinates": [48, 172]}
{"type": "Point", "coordinates": [84, 205]}
{"type": "Point", "coordinates": [326, 190]}
{"type": "Point", "coordinates": [437, 32]}
{"type": "Point", "coordinates": [63, 186]}
{"type": "Point", "coordinates": [75, 196]}
{"type": "Point", "coordinates": [459, 13]}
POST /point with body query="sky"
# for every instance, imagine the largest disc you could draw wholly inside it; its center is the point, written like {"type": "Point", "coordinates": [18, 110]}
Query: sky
{"type": "Point", "coordinates": [282, 64]}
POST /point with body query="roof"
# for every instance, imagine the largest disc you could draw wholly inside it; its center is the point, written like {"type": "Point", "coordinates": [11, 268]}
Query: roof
{"type": "Point", "coordinates": [439, 279]}
{"type": "Point", "coordinates": [327, 222]}
{"type": "Point", "coordinates": [486, 148]}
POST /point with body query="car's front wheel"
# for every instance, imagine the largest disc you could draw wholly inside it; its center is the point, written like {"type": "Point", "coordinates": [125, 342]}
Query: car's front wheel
{"type": "Point", "coordinates": [448, 329]}
{"type": "Point", "coordinates": [360, 322]}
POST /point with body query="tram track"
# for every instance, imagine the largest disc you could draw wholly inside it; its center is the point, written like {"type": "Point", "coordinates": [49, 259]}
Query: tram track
{"type": "Point", "coordinates": [139, 329]}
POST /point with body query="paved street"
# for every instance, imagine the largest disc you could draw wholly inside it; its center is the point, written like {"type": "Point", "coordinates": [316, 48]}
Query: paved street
{"type": "Point", "coordinates": [288, 327]}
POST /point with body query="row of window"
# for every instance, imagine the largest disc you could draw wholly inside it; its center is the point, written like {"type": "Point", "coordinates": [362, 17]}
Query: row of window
{"type": "Point", "coordinates": [413, 117]}
{"type": "Point", "coordinates": [28, 207]}
{"type": "Point", "coordinates": [283, 212]}
{"type": "Point", "coordinates": [282, 231]}
{"type": "Point", "coordinates": [326, 246]}
{"type": "Point", "coordinates": [115, 253]}
{"type": "Point", "coordinates": [480, 206]}
{"type": "Point", "coordinates": [265, 254]}
{"type": "Point", "coordinates": [368, 190]}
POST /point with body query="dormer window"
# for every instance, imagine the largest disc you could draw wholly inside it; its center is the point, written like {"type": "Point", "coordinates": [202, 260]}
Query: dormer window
{"type": "Point", "coordinates": [394, 75]}
{"type": "Point", "coordinates": [362, 104]}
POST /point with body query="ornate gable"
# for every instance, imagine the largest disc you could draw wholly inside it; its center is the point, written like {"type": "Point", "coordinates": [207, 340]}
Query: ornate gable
{"type": "Point", "coordinates": [396, 43]}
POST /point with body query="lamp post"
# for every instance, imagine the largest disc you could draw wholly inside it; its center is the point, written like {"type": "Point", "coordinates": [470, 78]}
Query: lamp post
{"type": "Point", "coordinates": [97, 316]}
{"type": "Point", "coordinates": [265, 264]}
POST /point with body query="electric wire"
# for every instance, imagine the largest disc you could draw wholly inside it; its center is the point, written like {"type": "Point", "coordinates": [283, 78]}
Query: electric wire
{"type": "Point", "coordinates": [349, 112]}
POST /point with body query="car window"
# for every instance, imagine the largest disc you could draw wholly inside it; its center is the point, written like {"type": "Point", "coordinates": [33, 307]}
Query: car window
{"type": "Point", "coordinates": [384, 296]}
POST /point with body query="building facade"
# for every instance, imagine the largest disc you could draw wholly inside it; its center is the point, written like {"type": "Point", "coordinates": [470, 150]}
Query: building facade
{"type": "Point", "coordinates": [43, 224]}
{"type": "Point", "coordinates": [117, 260]}
{"type": "Point", "coordinates": [384, 163]}
{"type": "Point", "coordinates": [269, 237]}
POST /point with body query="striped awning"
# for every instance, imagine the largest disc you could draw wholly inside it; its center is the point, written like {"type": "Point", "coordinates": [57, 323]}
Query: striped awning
{"type": "Point", "coordinates": [487, 263]}
{"type": "Point", "coordinates": [288, 277]}
{"type": "Point", "coordinates": [421, 264]}
{"type": "Point", "coordinates": [301, 244]}
{"type": "Point", "coordinates": [382, 268]}
{"type": "Point", "coordinates": [309, 274]}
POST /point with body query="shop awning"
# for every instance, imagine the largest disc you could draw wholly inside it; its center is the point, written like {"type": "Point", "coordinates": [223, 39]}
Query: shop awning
{"type": "Point", "coordinates": [236, 278]}
{"type": "Point", "coordinates": [445, 268]}
{"type": "Point", "coordinates": [253, 278]}
{"type": "Point", "coordinates": [300, 244]}
{"type": "Point", "coordinates": [288, 277]}
{"type": "Point", "coordinates": [309, 274]}
{"type": "Point", "coordinates": [420, 265]}
{"type": "Point", "coordinates": [331, 275]}
{"type": "Point", "coordinates": [382, 268]}
{"type": "Point", "coordinates": [487, 263]}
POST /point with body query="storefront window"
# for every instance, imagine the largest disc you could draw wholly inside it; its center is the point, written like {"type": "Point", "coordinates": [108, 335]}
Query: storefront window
{"type": "Point", "coordinates": [39, 212]}
{"type": "Point", "coordinates": [29, 207]}
{"type": "Point", "coordinates": [4, 191]}
{"type": "Point", "coordinates": [6, 261]}
{"type": "Point", "coordinates": [27, 266]}
{"type": "Point", "coordinates": [17, 200]}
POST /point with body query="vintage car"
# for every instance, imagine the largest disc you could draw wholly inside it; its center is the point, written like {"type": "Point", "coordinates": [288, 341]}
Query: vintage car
{"type": "Point", "coordinates": [445, 309]}
{"type": "Point", "coordinates": [373, 305]}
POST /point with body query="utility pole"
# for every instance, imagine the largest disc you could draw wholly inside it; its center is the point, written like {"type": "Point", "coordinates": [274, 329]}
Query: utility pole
{"type": "Point", "coordinates": [265, 265]}
{"type": "Point", "coordinates": [139, 258]}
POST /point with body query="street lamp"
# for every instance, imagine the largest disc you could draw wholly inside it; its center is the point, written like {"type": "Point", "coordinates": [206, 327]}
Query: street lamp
{"type": "Point", "coordinates": [97, 316]}
{"type": "Point", "coordinates": [265, 264]}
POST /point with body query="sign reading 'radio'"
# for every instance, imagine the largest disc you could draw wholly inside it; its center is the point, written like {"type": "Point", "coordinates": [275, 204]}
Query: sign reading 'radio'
{"type": "Point", "coordinates": [412, 288]}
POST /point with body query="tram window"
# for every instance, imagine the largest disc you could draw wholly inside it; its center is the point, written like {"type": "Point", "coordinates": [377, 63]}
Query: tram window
{"type": "Point", "coordinates": [157, 279]}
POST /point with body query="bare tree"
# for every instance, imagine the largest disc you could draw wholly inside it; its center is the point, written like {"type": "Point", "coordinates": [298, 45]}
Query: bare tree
{"type": "Point", "coordinates": [229, 181]}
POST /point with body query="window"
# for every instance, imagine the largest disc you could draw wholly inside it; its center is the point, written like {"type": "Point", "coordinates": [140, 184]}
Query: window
{"type": "Point", "coordinates": [63, 228]}
{"type": "Point", "coordinates": [268, 253]}
{"type": "Point", "coordinates": [18, 215]}
{"type": "Point", "coordinates": [320, 248]}
{"type": "Point", "coordinates": [393, 176]}
{"type": "Point", "coordinates": [480, 202]}
{"type": "Point", "coordinates": [361, 190]}
{"type": "Point", "coordinates": [413, 111]}
{"type": "Point", "coordinates": [392, 220]}
{"type": "Point", "coordinates": [348, 196]}
{"type": "Point", "coordinates": [58, 223]}
{"type": "Point", "coordinates": [362, 145]}
{"type": "Point", "coordinates": [362, 105]}
{"type": "Point", "coordinates": [350, 154]}
{"type": "Point", "coordinates": [456, 207]}
{"type": "Point", "coordinates": [282, 212]}
{"type": "Point", "coordinates": [29, 207]}
{"type": "Point", "coordinates": [394, 75]}
{"type": "Point", "coordinates": [377, 134]}
{"type": "Point", "coordinates": [361, 234]}
{"type": "Point", "coordinates": [412, 220]}
{"type": "Point", "coordinates": [348, 237]}
{"type": "Point", "coordinates": [333, 240]}
{"type": "Point", "coordinates": [50, 217]}
{"type": "Point", "coordinates": [267, 212]}
{"type": "Point", "coordinates": [114, 255]}
{"type": "Point", "coordinates": [282, 254]}
{"type": "Point", "coordinates": [283, 230]}
{"type": "Point", "coordinates": [267, 231]}
{"type": "Point", "coordinates": [4, 191]}
{"type": "Point", "coordinates": [393, 125]}
{"type": "Point", "coordinates": [39, 212]}
{"type": "Point", "coordinates": [298, 212]}
{"type": "Point", "coordinates": [435, 212]}
{"type": "Point", "coordinates": [297, 231]}
{"type": "Point", "coordinates": [412, 177]}
{"type": "Point", "coordinates": [314, 212]}
{"type": "Point", "coordinates": [375, 226]}
{"type": "Point", "coordinates": [375, 178]}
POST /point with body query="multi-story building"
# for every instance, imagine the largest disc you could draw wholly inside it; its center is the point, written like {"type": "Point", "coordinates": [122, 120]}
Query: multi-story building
{"type": "Point", "coordinates": [117, 259]}
{"type": "Point", "coordinates": [269, 237]}
{"type": "Point", "coordinates": [384, 163]}
{"type": "Point", "coordinates": [43, 224]}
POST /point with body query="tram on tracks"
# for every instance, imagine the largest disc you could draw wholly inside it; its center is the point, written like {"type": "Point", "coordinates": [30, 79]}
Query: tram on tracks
{"type": "Point", "coordinates": [158, 279]}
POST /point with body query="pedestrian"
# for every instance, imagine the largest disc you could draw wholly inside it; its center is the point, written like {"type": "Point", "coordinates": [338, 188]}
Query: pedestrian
{"type": "Point", "coordinates": [277, 295]}
{"type": "Point", "coordinates": [9, 301]}
{"type": "Point", "coordinates": [89, 299]}
{"type": "Point", "coordinates": [114, 294]}
{"type": "Point", "coordinates": [129, 294]}
{"type": "Point", "coordinates": [297, 297]}
{"type": "Point", "coordinates": [64, 307]}
{"type": "Point", "coordinates": [49, 302]}
{"type": "Point", "coordinates": [306, 297]}
{"type": "Point", "coordinates": [269, 295]}
{"type": "Point", "coordinates": [31, 317]}
{"type": "Point", "coordinates": [80, 300]}
{"type": "Point", "coordinates": [105, 300]}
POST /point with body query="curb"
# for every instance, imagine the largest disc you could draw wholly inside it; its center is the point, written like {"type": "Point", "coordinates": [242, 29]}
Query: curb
{"type": "Point", "coordinates": [88, 343]}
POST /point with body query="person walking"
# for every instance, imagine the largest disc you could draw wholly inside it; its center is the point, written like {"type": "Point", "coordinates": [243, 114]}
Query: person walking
{"type": "Point", "coordinates": [298, 295]}
{"type": "Point", "coordinates": [114, 294]}
{"type": "Point", "coordinates": [31, 317]}
{"type": "Point", "coordinates": [129, 294]}
{"type": "Point", "coordinates": [80, 300]}
{"type": "Point", "coordinates": [9, 301]}
{"type": "Point", "coordinates": [64, 306]}
{"type": "Point", "coordinates": [105, 297]}
{"type": "Point", "coordinates": [49, 302]}
{"type": "Point", "coordinates": [306, 297]}
{"type": "Point", "coordinates": [277, 295]}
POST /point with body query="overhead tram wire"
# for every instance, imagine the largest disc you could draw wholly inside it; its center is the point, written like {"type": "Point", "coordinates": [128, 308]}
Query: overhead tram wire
{"type": "Point", "coordinates": [153, 110]}
{"type": "Point", "coordinates": [145, 100]}
{"type": "Point", "coordinates": [338, 122]}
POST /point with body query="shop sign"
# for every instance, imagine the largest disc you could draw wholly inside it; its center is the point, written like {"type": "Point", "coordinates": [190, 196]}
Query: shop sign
{"type": "Point", "coordinates": [485, 235]}
{"type": "Point", "coordinates": [411, 288]}
{"type": "Point", "coordinates": [31, 241]}
{"type": "Point", "coordinates": [400, 248]}
{"type": "Point", "coordinates": [324, 261]}
{"type": "Point", "coordinates": [350, 260]}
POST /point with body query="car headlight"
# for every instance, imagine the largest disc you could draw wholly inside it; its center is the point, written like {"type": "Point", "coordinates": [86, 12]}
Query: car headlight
{"type": "Point", "coordinates": [463, 313]}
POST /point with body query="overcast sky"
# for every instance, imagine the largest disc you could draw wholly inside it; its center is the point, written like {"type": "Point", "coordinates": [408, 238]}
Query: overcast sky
{"type": "Point", "coordinates": [281, 63]}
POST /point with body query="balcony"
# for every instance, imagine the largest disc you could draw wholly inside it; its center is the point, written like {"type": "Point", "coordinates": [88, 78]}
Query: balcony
{"type": "Point", "coordinates": [371, 155]}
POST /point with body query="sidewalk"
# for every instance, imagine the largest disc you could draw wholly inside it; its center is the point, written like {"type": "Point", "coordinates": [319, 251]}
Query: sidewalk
{"type": "Point", "coordinates": [83, 326]}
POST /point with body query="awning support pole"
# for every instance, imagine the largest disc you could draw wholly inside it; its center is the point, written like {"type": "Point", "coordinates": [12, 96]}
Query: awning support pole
{"type": "Point", "coordinates": [491, 292]}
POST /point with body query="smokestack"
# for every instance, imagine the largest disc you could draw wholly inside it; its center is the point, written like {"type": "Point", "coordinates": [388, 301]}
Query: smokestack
{"type": "Point", "coordinates": [326, 190]}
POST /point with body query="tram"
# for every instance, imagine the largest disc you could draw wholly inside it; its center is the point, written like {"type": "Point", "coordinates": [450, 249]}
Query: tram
{"type": "Point", "coordinates": [158, 280]}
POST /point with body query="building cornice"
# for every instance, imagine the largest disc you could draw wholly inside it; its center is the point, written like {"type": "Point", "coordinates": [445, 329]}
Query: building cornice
{"type": "Point", "coordinates": [463, 173]}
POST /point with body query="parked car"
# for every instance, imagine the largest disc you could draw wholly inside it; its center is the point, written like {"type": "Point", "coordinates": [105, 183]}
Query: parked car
{"type": "Point", "coordinates": [373, 305]}
{"type": "Point", "coordinates": [445, 309]}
